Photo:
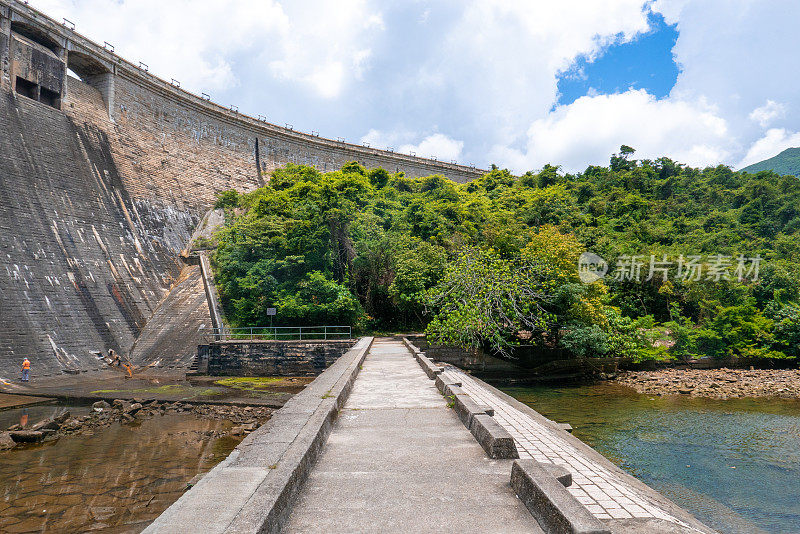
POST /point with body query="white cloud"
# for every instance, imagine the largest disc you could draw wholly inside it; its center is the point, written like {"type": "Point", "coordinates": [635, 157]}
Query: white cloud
{"type": "Point", "coordinates": [590, 129]}
{"type": "Point", "coordinates": [775, 141]}
{"type": "Point", "coordinates": [317, 44]}
{"type": "Point", "coordinates": [438, 146]}
{"type": "Point", "coordinates": [435, 145]}
{"type": "Point", "coordinates": [191, 41]}
{"type": "Point", "coordinates": [765, 114]}
{"type": "Point", "coordinates": [499, 63]}
{"type": "Point", "coordinates": [326, 44]}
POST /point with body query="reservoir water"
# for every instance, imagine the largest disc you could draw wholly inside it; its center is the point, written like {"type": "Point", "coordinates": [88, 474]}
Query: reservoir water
{"type": "Point", "coordinates": [734, 464]}
{"type": "Point", "coordinates": [117, 479]}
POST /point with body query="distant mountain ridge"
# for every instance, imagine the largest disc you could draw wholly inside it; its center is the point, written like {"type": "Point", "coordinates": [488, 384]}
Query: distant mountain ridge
{"type": "Point", "coordinates": [787, 162]}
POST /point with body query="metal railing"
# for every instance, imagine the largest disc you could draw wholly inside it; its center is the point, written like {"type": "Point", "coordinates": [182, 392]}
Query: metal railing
{"type": "Point", "coordinates": [277, 333]}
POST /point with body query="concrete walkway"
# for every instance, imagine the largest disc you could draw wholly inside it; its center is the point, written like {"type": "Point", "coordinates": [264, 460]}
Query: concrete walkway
{"type": "Point", "coordinates": [400, 460]}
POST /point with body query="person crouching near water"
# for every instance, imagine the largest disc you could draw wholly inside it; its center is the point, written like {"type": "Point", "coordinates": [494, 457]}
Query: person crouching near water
{"type": "Point", "coordinates": [129, 368]}
{"type": "Point", "coordinates": [26, 370]}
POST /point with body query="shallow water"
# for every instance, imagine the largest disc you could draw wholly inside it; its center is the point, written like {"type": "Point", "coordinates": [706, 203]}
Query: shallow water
{"type": "Point", "coordinates": [116, 480]}
{"type": "Point", "coordinates": [734, 464]}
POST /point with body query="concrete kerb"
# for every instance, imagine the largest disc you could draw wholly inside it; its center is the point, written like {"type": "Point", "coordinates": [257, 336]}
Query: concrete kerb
{"type": "Point", "coordinates": [555, 508]}
{"type": "Point", "coordinates": [243, 493]}
{"type": "Point", "coordinates": [494, 439]}
{"type": "Point", "coordinates": [442, 384]}
{"type": "Point", "coordinates": [410, 346]}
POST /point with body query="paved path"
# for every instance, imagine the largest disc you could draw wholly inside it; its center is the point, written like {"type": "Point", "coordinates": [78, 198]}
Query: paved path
{"type": "Point", "coordinates": [399, 460]}
{"type": "Point", "coordinates": [602, 491]}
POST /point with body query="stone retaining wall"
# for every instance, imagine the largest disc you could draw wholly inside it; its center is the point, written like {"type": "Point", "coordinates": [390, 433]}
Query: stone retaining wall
{"type": "Point", "coordinates": [270, 358]}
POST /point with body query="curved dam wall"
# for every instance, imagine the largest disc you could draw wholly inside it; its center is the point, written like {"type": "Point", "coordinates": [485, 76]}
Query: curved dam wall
{"type": "Point", "coordinates": [102, 181]}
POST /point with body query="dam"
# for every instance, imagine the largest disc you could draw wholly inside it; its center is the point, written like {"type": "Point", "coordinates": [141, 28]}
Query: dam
{"type": "Point", "coordinates": [103, 179]}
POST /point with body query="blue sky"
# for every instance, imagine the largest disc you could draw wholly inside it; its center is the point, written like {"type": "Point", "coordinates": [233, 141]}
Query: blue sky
{"type": "Point", "coordinates": [519, 83]}
{"type": "Point", "coordinates": [646, 63]}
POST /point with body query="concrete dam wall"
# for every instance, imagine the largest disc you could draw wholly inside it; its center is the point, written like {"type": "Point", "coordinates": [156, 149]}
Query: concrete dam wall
{"type": "Point", "coordinates": [102, 181]}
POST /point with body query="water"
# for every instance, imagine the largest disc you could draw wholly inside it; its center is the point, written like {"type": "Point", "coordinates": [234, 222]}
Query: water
{"type": "Point", "coordinates": [117, 480]}
{"type": "Point", "coordinates": [734, 464]}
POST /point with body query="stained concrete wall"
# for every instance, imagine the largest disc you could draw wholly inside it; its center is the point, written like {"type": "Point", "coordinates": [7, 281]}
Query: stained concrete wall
{"type": "Point", "coordinates": [83, 264]}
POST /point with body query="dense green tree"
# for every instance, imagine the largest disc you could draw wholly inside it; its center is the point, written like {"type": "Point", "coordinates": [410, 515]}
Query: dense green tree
{"type": "Point", "coordinates": [494, 261]}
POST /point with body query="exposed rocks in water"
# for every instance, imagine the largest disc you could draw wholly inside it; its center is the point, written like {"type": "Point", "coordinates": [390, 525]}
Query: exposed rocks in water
{"type": "Point", "coordinates": [716, 383]}
{"type": "Point", "coordinates": [246, 419]}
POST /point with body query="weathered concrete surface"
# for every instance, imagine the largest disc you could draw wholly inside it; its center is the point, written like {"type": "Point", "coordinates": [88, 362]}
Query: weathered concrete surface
{"type": "Point", "coordinates": [494, 439]}
{"type": "Point", "coordinates": [171, 335]}
{"type": "Point", "coordinates": [399, 460]}
{"type": "Point", "coordinates": [252, 489]}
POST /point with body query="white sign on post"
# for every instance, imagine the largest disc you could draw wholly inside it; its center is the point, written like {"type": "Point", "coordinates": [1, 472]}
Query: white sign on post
{"type": "Point", "coordinates": [272, 311]}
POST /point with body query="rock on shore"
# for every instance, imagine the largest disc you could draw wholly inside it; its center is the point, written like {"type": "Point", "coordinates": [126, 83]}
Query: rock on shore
{"type": "Point", "coordinates": [245, 418]}
{"type": "Point", "coordinates": [716, 383]}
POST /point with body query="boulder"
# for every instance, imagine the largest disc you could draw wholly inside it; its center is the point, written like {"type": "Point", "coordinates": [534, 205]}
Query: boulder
{"type": "Point", "coordinates": [133, 408]}
{"type": "Point", "coordinates": [6, 442]}
{"type": "Point", "coordinates": [26, 436]}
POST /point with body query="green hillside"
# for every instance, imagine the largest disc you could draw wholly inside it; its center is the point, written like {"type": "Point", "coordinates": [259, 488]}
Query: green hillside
{"type": "Point", "coordinates": [787, 162]}
{"type": "Point", "coordinates": [496, 261]}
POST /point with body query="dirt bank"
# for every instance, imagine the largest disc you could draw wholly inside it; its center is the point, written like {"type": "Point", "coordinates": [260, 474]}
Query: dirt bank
{"type": "Point", "coordinates": [716, 383]}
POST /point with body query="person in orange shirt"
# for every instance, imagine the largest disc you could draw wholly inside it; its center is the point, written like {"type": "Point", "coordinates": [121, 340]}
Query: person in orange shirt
{"type": "Point", "coordinates": [129, 369]}
{"type": "Point", "coordinates": [26, 370]}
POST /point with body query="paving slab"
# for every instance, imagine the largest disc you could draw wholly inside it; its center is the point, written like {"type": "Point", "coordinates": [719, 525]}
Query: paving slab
{"type": "Point", "coordinates": [399, 460]}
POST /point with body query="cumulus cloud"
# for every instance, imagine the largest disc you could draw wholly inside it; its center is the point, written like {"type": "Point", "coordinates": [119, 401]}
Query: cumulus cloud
{"type": "Point", "coordinates": [775, 141]}
{"type": "Point", "coordinates": [438, 146]}
{"type": "Point", "coordinates": [326, 44]}
{"type": "Point", "coordinates": [435, 145]}
{"type": "Point", "coordinates": [765, 114]}
{"type": "Point", "coordinates": [590, 129]}
{"type": "Point", "coordinates": [320, 45]}
{"type": "Point", "coordinates": [498, 65]}
{"type": "Point", "coordinates": [192, 41]}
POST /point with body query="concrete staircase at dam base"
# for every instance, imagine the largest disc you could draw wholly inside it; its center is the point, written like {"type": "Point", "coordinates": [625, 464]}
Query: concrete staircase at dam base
{"type": "Point", "coordinates": [380, 442]}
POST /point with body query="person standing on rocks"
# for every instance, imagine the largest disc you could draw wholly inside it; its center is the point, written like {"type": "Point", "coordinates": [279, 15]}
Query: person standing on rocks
{"type": "Point", "coordinates": [26, 370]}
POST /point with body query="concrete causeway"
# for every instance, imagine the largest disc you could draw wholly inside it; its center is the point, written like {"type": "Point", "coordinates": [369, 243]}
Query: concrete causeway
{"type": "Point", "coordinates": [387, 441]}
{"type": "Point", "coordinates": [400, 460]}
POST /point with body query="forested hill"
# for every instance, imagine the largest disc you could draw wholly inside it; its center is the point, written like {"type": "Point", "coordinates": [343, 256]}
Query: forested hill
{"type": "Point", "coordinates": [701, 261]}
{"type": "Point", "coordinates": [787, 162]}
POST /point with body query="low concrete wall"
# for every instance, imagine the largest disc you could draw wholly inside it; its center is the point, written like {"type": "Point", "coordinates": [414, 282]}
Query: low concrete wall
{"type": "Point", "coordinates": [253, 489]}
{"type": "Point", "coordinates": [555, 509]}
{"type": "Point", "coordinates": [270, 358]}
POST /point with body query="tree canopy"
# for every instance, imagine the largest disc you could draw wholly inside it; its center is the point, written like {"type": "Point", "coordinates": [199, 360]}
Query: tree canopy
{"type": "Point", "coordinates": [494, 262]}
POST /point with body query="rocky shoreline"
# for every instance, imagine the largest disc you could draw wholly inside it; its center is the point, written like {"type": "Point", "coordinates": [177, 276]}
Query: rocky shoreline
{"type": "Point", "coordinates": [245, 419]}
{"type": "Point", "coordinates": [715, 383]}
